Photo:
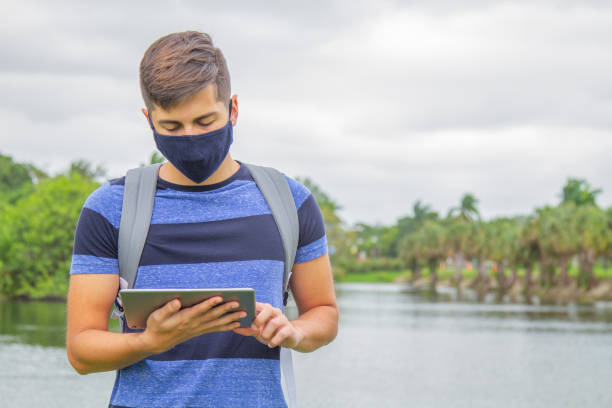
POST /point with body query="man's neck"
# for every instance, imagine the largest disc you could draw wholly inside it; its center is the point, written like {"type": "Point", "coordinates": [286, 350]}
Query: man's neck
{"type": "Point", "coordinates": [172, 175]}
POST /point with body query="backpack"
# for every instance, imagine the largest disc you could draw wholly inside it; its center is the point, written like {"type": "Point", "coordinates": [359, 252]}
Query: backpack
{"type": "Point", "coordinates": [138, 199]}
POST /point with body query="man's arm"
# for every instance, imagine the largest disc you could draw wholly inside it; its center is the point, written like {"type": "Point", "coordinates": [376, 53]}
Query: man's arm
{"type": "Point", "coordinates": [92, 348]}
{"type": "Point", "coordinates": [313, 290]}
{"type": "Point", "coordinates": [312, 286]}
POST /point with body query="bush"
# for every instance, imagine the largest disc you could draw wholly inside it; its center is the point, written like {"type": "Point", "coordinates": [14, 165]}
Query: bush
{"type": "Point", "coordinates": [37, 236]}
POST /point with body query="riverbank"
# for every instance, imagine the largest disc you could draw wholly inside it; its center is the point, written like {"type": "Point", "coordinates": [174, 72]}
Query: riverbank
{"type": "Point", "coordinates": [515, 292]}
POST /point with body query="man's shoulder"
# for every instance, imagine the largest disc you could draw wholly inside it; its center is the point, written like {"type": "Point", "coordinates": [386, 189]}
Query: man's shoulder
{"type": "Point", "coordinates": [299, 191]}
{"type": "Point", "coordinates": [106, 200]}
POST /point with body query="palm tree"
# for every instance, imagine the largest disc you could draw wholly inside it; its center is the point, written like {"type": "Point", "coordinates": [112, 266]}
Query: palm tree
{"type": "Point", "coordinates": [529, 247]}
{"type": "Point", "coordinates": [558, 237]}
{"type": "Point", "coordinates": [504, 242]}
{"type": "Point", "coordinates": [479, 243]}
{"type": "Point", "coordinates": [579, 192]}
{"type": "Point", "coordinates": [426, 246]}
{"type": "Point", "coordinates": [594, 236]}
{"type": "Point", "coordinates": [433, 248]}
{"type": "Point", "coordinates": [458, 234]}
{"type": "Point", "coordinates": [467, 208]}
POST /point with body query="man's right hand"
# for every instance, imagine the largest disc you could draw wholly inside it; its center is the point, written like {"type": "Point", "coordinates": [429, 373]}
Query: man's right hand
{"type": "Point", "coordinates": [169, 325]}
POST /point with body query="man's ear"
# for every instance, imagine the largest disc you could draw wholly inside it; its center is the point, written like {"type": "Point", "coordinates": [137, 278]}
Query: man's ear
{"type": "Point", "coordinates": [145, 113]}
{"type": "Point", "coordinates": [234, 114]}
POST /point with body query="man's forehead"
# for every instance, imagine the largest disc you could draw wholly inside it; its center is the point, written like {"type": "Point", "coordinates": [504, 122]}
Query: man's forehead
{"type": "Point", "coordinates": [200, 104]}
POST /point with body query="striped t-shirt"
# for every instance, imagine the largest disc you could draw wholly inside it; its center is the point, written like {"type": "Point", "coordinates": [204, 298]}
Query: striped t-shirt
{"type": "Point", "coordinates": [218, 235]}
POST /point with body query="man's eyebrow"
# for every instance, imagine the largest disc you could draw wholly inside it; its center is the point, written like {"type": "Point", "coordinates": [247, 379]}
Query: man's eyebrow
{"type": "Point", "coordinates": [176, 122]}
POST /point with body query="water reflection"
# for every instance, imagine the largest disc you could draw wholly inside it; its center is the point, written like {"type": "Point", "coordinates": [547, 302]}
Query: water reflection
{"type": "Point", "coordinates": [35, 323]}
{"type": "Point", "coordinates": [40, 323]}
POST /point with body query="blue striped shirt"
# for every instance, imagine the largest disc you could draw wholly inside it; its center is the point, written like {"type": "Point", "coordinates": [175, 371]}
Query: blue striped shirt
{"type": "Point", "coordinates": [218, 235]}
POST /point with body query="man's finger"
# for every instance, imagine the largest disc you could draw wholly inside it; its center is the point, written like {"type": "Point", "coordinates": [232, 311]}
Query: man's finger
{"type": "Point", "coordinates": [281, 335]}
{"type": "Point", "coordinates": [167, 310]}
{"type": "Point", "coordinates": [272, 326]}
{"type": "Point", "coordinates": [262, 318]}
{"type": "Point", "coordinates": [259, 306]}
{"type": "Point", "coordinates": [246, 331]}
{"type": "Point", "coordinates": [206, 305]}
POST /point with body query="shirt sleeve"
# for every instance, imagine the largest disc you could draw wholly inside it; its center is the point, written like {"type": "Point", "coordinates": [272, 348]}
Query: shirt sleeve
{"type": "Point", "coordinates": [95, 238]}
{"type": "Point", "coordinates": [312, 242]}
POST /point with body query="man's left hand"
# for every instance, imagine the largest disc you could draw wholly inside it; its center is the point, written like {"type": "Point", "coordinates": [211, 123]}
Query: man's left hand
{"type": "Point", "coordinates": [271, 327]}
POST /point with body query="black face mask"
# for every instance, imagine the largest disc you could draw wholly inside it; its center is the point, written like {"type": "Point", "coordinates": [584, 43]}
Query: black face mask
{"type": "Point", "coordinates": [196, 156]}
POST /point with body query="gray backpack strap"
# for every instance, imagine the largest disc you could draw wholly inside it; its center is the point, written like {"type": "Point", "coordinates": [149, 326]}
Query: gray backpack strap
{"type": "Point", "coordinates": [136, 211]}
{"type": "Point", "coordinates": [276, 191]}
{"type": "Point", "coordinates": [138, 199]}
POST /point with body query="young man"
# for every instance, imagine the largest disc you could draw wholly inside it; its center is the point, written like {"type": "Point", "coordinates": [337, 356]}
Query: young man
{"type": "Point", "coordinates": [210, 227]}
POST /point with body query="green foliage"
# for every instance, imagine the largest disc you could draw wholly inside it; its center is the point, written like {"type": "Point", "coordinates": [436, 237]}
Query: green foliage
{"type": "Point", "coordinates": [579, 192]}
{"type": "Point", "coordinates": [156, 157]}
{"type": "Point", "coordinates": [86, 169]}
{"type": "Point", "coordinates": [37, 236]}
{"type": "Point", "coordinates": [17, 179]}
{"type": "Point", "coordinates": [38, 216]}
{"type": "Point", "coordinates": [322, 198]}
{"type": "Point", "coordinates": [340, 239]}
{"type": "Point", "coordinates": [467, 209]}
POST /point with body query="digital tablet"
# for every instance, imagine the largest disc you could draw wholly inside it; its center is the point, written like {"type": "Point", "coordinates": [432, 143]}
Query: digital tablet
{"type": "Point", "coordinates": [138, 304]}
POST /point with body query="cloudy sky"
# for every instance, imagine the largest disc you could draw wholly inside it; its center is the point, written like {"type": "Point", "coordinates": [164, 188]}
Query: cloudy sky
{"type": "Point", "coordinates": [381, 103]}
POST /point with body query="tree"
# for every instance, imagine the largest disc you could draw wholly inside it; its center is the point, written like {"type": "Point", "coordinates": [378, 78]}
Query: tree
{"type": "Point", "coordinates": [86, 169]}
{"type": "Point", "coordinates": [558, 238]}
{"type": "Point", "coordinates": [156, 157]}
{"type": "Point", "coordinates": [339, 238]}
{"type": "Point", "coordinates": [503, 244]}
{"type": "Point", "coordinates": [479, 240]}
{"type": "Point", "coordinates": [467, 208]}
{"type": "Point", "coordinates": [17, 180]}
{"type": "Point", "coordinates": [425, 246]}
{"type": "Point", "coordinates": [37, 236]}
{"type": "Point", "coordinates": [594, 237]}
{"type": "Point", "coordinates": [579, 192]}
{"type": "Point", "coordinates": [459, 225]}
{"type": "Point", "coordinates": [529, 250]}
{"type": "Point", "coordinates": [458, 234]}
{"type": "Point", "coordinates": [420, 213]}
{"type": "Point", "coordinates": [408, 224]}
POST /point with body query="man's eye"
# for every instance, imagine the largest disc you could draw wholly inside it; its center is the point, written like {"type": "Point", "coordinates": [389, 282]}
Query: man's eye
{"type": "Point", "coordinates": [206, 124]}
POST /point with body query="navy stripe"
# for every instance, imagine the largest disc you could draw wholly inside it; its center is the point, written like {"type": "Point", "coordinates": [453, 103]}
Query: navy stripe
{"type": "Point", "coordinates": [95, 235]}
{"type": "Point", "coordinates": [311, 222]}
{"type": "Point", "coordinates": [235, 239]}
{"type": "Point", "coordinates": [219, 345]}
{"type": "Point", "coordinates": [225, 344]}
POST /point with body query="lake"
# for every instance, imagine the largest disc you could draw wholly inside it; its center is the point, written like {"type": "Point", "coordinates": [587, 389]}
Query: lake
{"type": "Point", "coordinates": [395, 348]}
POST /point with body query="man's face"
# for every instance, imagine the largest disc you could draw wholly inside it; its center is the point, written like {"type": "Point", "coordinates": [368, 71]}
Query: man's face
{"type": "Point", "coordinates": [199, 114]}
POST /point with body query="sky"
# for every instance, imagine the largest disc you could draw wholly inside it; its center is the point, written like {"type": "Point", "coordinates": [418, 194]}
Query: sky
{"type": "Point", "coordinates": [380, 103]}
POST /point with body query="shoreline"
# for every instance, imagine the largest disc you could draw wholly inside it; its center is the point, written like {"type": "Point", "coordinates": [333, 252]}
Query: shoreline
{"type": "Point", "coordinates": [517, 291]}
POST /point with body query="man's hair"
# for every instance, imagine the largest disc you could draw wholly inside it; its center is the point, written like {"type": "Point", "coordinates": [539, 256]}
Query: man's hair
{"type": "Point", "coordinates": [179, 65]}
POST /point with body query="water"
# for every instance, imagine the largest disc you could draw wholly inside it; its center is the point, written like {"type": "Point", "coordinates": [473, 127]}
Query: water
{"type": "Point", "coordinates": [394, 349]}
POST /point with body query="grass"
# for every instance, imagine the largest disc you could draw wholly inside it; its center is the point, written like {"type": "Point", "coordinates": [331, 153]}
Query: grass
{"type": "Point", "coordinates": [378, 276]}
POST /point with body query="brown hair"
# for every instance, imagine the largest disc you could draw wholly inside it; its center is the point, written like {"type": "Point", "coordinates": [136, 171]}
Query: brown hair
{"type": "Point", "coordinates": [179, 65]}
